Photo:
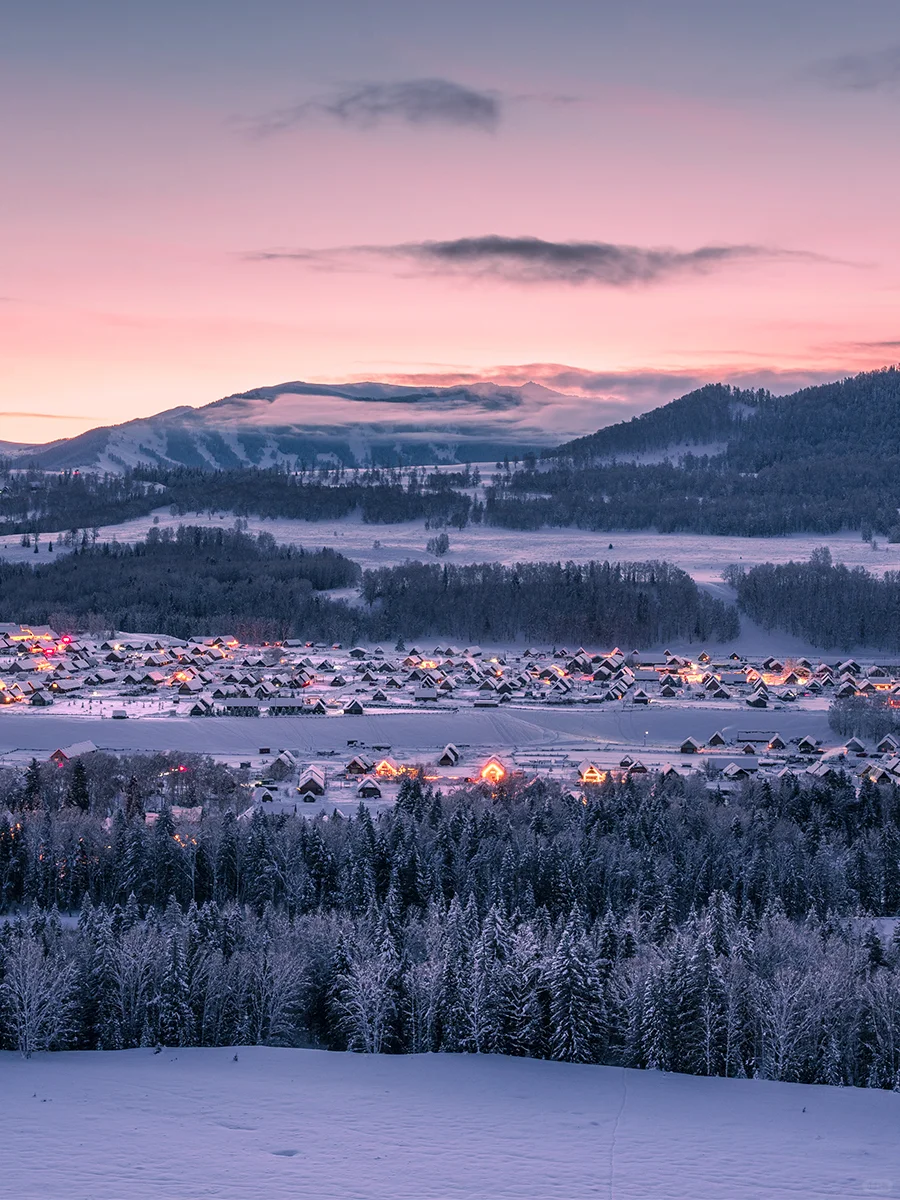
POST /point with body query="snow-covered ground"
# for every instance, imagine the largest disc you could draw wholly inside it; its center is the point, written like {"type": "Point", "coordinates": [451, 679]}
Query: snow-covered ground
{"type": "Point", "coordinates": [280, 1124]}
{"type": "Point", "coordinates": [703, 557]}
{"type": "Point", "coordinates": [658, 728]}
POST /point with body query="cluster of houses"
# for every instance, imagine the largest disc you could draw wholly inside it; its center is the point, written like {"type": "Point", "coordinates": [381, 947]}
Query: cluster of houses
{"type": "Point", "coordinates": [219, 676]}
{"type": "Point", "coordinates": [728, 761]}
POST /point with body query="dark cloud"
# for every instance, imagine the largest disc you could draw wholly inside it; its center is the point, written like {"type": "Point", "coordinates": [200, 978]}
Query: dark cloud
{"type": "Point", "coordinates": [860, 72]}
{"type": "Point", "coordinates": [413, 101]}
{"type": "Point", "coordinates": [535, 260]}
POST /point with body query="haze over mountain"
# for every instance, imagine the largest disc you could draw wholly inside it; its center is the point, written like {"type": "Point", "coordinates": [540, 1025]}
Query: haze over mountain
{"type": "Point", "coordinates": [386, 424]}
{"type": "Point", "coordinates": [355, 424]}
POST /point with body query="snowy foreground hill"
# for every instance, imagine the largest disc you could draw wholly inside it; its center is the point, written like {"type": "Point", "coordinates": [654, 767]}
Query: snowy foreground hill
{"type": "Point", "coordinates": [299, 1123]}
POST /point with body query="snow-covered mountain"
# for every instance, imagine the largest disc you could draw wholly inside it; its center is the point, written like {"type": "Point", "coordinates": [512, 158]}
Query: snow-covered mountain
{"type": "Point", "coordinates": [355, 424]}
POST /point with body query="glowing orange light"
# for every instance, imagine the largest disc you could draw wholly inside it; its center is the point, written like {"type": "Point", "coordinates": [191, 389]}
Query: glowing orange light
{"type": "Point", "coordinates": [592, 775]}
{"type": "Point", "coordinates": [386, 769]}
{"type": "Point", "coordinates": [493, 771]}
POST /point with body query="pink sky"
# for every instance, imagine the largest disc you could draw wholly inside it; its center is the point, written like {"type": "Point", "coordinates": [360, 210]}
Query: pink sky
{"type": "Point", "coordinates": [137, 201]}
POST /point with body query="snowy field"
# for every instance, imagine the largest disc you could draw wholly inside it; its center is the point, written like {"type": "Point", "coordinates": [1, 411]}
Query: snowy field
{"type": "Point", "coordinates": [660, 727]}
{"type": "Point", "coordinates": [281, 1124]}
{"type": "Point", "coordinates": [703, 557]}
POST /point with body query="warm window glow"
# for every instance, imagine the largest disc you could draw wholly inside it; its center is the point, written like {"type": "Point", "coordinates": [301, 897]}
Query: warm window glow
{"type": "Point", "coordinates": [592, 774]}
{"type": "Point", "coordinates": [493, 771]}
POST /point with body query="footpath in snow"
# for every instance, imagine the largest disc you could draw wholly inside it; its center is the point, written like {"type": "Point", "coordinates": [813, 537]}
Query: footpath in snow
{"type": "Point", "coordinates": [280, 1124]}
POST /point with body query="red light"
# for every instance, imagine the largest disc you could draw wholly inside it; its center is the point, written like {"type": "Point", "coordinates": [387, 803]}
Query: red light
{"type": "Point", "coordinates": [182, 768]}
{"type": "Point", "coordinates": [66, 640]}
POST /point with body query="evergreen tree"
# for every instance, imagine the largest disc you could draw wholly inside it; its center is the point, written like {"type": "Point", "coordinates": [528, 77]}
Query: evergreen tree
{"type": "Point", "coordinates": [577, 1011]}
{"type": "Point", "coordinates": [175, 1020]}
{"type": "Point", "coordinates": [79, 793]}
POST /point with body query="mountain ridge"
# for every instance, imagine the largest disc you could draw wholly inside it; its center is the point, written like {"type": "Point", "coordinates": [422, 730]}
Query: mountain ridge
{"type": "Point", "coordinates": [298, 423]}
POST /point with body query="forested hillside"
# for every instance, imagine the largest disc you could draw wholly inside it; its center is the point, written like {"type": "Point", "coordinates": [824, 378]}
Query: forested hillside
{"type": "Point", "coordinates": [650, 926]}
{"type": "Point", "coordinates": [857, 415]}
{"type": "Point", "coordinates": [821, 460]}
{"type": "Point", "coordinates": [715, 413]}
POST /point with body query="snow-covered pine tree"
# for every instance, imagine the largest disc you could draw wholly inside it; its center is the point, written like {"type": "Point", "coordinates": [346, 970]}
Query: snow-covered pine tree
{"type": "Point", "coordinates": [174, 1020]}
{"type": "Point", "coordinates": [577, 1012]}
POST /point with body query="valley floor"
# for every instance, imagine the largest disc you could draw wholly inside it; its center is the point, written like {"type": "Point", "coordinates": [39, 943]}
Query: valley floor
{"type": "Point", "coordinates": [299, 1123]}
{"type": "Point", "coordinates": [702, 556]}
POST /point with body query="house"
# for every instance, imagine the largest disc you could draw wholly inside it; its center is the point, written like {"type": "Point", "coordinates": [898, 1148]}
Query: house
{"type": "Point", "coordinates": [68, 753]}
{"type": "Point", "coordinates": [879, 775]}
{"type": "Point", "coordinates": [776, 743]}
{"type": "Point", "coordinates": [690, 746]}
{"type": "Point", "coordinates": [369, 789]}
{"type": "Point", "coordinates": [450, 756]}
{"type": "Point", "coordinates": [311, 783]}
{"type": "Point", "coordinates": [735, 772]}
{"type": "Point", "coordinates": [855, 746]}
{"type": "Point", "coordinates": [492, 771]}
{"type": "Point", "coordinates": [358, 765]}
{"type": "Point", "coordinates": [65, 687]}
{"type": "Point", "coordinates": [807, 745]}
{"type": "Point", "coordinates": [353, 709]}
{"type": "Point", "coordinates": [187, 815]}
{"type": "Point", "coordinates": [589, 772]}
{"type": "Point", "coordinates": [887, 745]}
{"type": "Point", "coordinates": [283, 766]}
{"type": "Point", "coordinates": [823, 770]}
{"type": "Point", "coordinates": [717, 739]}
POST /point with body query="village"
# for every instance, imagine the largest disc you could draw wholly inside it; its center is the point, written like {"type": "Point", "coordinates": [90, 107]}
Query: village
{"type": "Point", "coordinates": [327, 727]}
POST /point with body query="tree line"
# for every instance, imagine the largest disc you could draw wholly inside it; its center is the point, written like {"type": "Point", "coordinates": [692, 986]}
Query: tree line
{"type": "Point", "coordinates": [640, 604]}
{"type": "Point", "coordinates": [184, 582]}
{"type": "Point", "coordinates": [34, 501]}
{"type": "Point", "coordinates": [827, 603]}
{"type": "Point", "coordinates": [649, 925]}
{"type": "Point", "coordinates": [195, 581]}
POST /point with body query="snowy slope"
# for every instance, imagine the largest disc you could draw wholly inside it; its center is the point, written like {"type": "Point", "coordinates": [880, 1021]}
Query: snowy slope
{"type": "Point", "coordinates": [350, 423]}
{"type": "Point", "coordinates": [281, 1124]}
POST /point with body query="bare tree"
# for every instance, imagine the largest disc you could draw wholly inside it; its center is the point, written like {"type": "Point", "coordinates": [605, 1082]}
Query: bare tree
{"type": "Point", "coordinates": [38, 996]}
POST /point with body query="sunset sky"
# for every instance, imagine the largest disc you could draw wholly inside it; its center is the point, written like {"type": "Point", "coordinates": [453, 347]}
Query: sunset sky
{"type": "Point", "coordinates": [616, 199]}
